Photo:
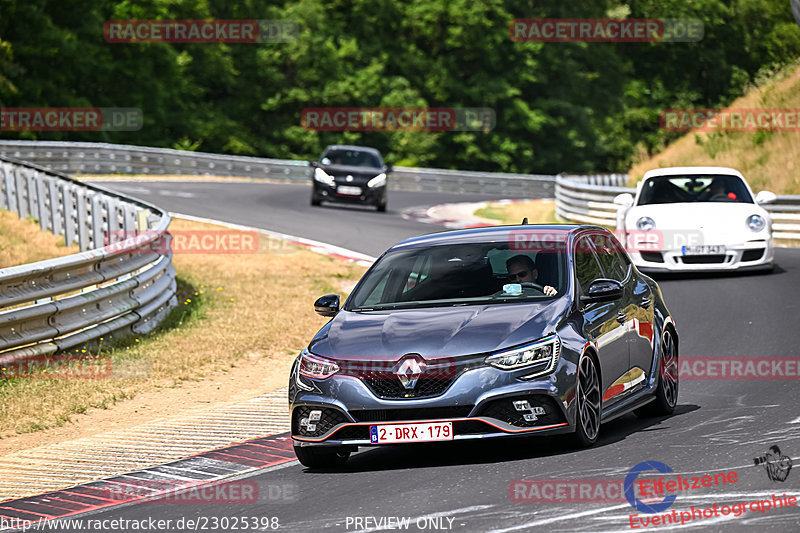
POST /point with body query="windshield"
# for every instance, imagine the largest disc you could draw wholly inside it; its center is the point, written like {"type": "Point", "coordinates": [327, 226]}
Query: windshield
{"type": "Point", "coordinates": [695, 188]}
{"type": "Point", "coordinates": [462, 274]}
{"type": "Point", "coordinates": [353, 158]}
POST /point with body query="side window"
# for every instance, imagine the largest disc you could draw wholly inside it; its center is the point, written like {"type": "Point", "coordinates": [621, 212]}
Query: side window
{"type": "Point", "coordinates": [611, 256]}
{"type": "Point", "coordinates": [587, 267]}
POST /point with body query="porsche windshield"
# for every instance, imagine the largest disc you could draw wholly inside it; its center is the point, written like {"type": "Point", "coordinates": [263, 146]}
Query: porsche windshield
{"type": "Point", "coordinates": [462, 274]}
{"type": "Point", "coordinates": [696, 188]}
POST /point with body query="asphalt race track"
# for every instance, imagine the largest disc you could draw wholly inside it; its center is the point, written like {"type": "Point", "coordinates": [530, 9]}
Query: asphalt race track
{"type": "Point", "coordinates": [720, 425]}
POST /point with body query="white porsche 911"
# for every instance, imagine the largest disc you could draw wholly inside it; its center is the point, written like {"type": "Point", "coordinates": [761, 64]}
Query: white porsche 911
{"type": "Point", "coordinates": [696, 219]}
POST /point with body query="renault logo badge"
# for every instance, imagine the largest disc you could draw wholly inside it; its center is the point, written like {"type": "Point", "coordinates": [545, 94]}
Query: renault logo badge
{"type": "Point", "coordinates": [409, 369]}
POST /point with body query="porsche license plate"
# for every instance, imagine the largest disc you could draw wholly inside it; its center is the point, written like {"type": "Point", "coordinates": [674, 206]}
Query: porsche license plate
{"type": "Point", "coordinates": [423, 432]}
{"type": "Point", "coordinates": [716, 249]}
{"type": "Point", "coordinates": [345, 190]}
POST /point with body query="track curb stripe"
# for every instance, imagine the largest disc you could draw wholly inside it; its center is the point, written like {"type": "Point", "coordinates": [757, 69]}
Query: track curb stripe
{"type": "Point", "coordinates": [79, 499]}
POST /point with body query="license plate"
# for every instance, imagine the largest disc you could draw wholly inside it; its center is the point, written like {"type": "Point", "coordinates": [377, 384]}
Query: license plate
{"type": "Point", "coordinates": [411, 432]}
{"type": "Point", "coordinates": [349, 191]}
{"type": "Point", "coordinates": [717, 249]}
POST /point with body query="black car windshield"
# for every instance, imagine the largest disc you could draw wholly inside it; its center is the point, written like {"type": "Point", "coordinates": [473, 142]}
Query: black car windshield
{"type": "Point", "coordinates": [353, 158]}
{"type": "Point", "coordinates": [461, 274]}
{"type": "Point", "coordinates": [694, 188]}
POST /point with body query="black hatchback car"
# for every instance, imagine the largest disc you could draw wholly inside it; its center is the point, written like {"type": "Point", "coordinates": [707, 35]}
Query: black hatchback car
{"type": "Point", "coordinates": [351, 174]}
{"type": "Point", "coordinates": [490, 332]}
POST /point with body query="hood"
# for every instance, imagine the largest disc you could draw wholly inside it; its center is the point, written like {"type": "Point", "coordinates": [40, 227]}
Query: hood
{"type": "Point", "coordinates": [712, 222]}
{"type": "Point", "coordinates": [439, 331]}
{"type": "Point", "coordinates": [359, 173]}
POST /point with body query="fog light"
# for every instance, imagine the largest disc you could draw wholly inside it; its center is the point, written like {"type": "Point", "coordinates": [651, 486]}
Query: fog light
{"type": "Point", "coordinates": [522, 405]}
{"type": "Point", "coordinates": [315, 415]}
{"type": "Point", "coordinates": [529, 417]}
{"type": "Point", "coordinates": [309, 424]}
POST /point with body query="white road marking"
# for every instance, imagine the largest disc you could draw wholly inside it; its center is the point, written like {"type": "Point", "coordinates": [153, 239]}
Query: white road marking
{"type": "Point", "coordinates": [179, 194]}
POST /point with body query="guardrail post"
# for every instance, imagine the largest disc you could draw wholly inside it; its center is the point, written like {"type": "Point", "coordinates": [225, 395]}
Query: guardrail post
{"type": "Point", "coordinates": [69, 222]}
{"type": "Point", "coordinates": [98, 233]}
{"type": "Point", "coordinates": [41, 196]}
{"type": "Point", "coordinates": [83, 220]}
{"type": "Point", "coordinates": [19, 182]}
{"type": "Point", "coordinates": [56, 208]}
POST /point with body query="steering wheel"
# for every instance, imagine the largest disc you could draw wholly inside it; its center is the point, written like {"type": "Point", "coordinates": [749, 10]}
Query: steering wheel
{"type": "Point", "coordinates": [531, 285]}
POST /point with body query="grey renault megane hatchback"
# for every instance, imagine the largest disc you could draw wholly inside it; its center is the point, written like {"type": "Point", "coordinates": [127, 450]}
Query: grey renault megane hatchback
{"type": "Point", "coordinates": [490, 332]}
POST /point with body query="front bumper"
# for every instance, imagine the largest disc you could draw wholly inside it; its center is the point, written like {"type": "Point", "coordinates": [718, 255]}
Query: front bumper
{"type": "Point", "coordinates": [327, 193]}
{"type": "Point", "coordinates": [479, 403]}
{"type": "Point", "coordinates": [753, 255]}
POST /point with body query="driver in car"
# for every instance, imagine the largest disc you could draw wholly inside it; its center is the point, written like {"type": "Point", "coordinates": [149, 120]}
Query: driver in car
{"type": "Point", "coordinates": [521, 269]}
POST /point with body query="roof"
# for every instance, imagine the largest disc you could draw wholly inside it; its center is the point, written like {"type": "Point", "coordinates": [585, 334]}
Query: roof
{"type": "Point", "coordinates": [490, 234]}
{"type": "Point", "coordinates": [683, 171]}
{"type": "Point", "coordinates": [351, 147]}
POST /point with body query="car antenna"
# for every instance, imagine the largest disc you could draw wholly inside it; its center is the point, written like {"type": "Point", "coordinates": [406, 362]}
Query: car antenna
{"type": "Point", "coordinates": [525, 221]}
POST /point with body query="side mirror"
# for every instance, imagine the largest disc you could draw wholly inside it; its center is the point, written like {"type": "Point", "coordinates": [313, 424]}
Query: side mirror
{"type": "Point", "coordinates": [327, 305]}
{"type": "Point", "coordinates": [603, 290]}
{"type": "Point", "coordinates": [389, 168]}
{"type": "Point", "coordinates": [766, 197]}
{"type": "Point", "coordinates": [625, 199]}
{"type": "Point", "coordinates": [314, 164]}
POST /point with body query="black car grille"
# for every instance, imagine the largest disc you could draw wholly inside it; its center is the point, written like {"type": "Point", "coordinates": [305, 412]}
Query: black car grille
{"type": "Point", "coordinates": [753, 255]}
{"type": "Point", "coordinates": [653, 257]}
{"type": "Point", "coordinates": [352, 433]}
{"type": "Point", "coordinates": [389, 386]}
{"type": "Point", "coordinates": [330, 418]}
{"type": "Point", "coordinates": [703, 259]}
{"type": "Point", "coordinates": [504, 411]}
{"type": "Point", "coordinates": [423, 413]}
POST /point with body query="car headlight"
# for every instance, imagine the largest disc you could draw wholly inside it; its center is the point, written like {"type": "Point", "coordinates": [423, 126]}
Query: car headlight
{"type": "Point", "coordinates": [324, 177]}
{"type": "Point", "coordinates": [316, 367]}
{"type": "Point", "coordinates": [646, 224]}
{"type": "Point", "coordinates": [756, 223]}
{"type": "Point", "coordinates": [545, 352]}
{"type": "Point", "coordinates": [377, 181]}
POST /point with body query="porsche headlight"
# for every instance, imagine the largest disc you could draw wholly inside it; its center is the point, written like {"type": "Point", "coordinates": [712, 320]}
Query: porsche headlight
{"type": "Point", "coordinates": [756, 223]}
{"type": "Point", "coordinates": [377, 181]}
{"type": "Point", "coordinates": [645, 224]}
{"type": "Point", "coordinates": [542, 353]}
{"type": "Point", "coordinates": [322, 176]}
{"type": "Point", "coordinates": [316, 367]}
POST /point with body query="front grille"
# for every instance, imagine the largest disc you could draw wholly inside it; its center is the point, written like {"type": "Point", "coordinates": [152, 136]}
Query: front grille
{"type": "Point", "coordinates": [653, 257]}
{"type": "Point", "coordinates": [703, 259]}
{"type": "Point", "coordinates": [351, 433]}
{"type": "Point", "coordinates": [753, 255]}
{"type": "Point", "coordinates": [330, 418]}
{"type": "Point", "coordinates": [504, 411]}
{"type": "Point", "coordinates": [387, 385]}
{"type": "Point", "coordinates": [423, 413]}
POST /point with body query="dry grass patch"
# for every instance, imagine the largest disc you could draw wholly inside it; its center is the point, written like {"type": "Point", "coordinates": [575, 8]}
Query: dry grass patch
{"type": "Point", "coordinates": [22, 241]}
{"type": "Point", "coordinates": [233, 310]}
{"type": "Point", "coordinates": [768, 160]}
{"type": "Point", "coordinates": [537, 211]}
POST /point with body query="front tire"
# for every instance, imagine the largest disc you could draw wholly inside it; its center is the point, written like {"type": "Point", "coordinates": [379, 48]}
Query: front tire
{"type": "Point", "coordinates": [381, 207]}
{"type": "Point", "coordinates": [315, 202]}
{"type": "Point", "coordinates": [322, 457]}
{"type": "Point", "coordinates": [667, 389]}
{"type": "Point", "coordinates": [587, 419]}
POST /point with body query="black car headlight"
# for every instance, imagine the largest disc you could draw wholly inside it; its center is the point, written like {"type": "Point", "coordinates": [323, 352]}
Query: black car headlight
{"type": "Point", "coordinates": [543, 353]}
{"type": "Point", "coordinates": [323, 177]}
{"type": "Point", "coordinates": [377, 181]}
{"type": "Point", "coordinates": [316, 367]}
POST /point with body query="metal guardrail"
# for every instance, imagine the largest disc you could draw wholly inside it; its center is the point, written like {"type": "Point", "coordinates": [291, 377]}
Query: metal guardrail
{"type": "Point", "coordinates": [590, 200]}
{"type": "Point", "coordinates": [116, 286]}
{"type": "Point", "coordinates": [102, 158]}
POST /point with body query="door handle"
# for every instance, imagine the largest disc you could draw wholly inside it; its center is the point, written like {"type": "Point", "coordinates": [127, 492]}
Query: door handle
{"type": "Point", "coordinates": [622, 318]}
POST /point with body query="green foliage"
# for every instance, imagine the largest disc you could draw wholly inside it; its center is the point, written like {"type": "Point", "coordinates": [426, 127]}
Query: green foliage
{"type": "Point", "coordinates": [575, 107]}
